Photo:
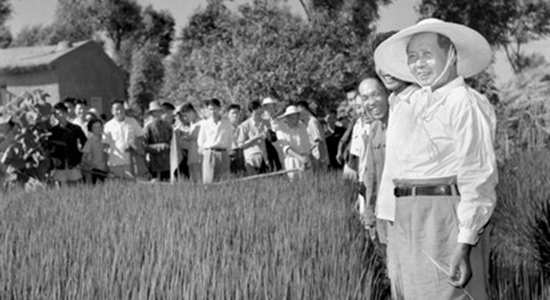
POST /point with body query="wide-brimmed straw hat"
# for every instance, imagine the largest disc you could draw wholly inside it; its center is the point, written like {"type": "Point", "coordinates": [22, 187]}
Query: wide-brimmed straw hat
{"type": "Point", "coordinates": [473, 51]}
{"type": "Point", "coordinates": [290, 110]}
{"type": "Point", "coordinates": [269, 100]}
{"type": "Point", "coordinates": [154, 106]}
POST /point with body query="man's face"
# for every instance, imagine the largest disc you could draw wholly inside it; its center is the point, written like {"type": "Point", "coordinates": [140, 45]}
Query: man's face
{"type": "Point", "coordinates": [425, 58]}
{"type": "Point", "coordinates": [293, 120]}
{"type": "Point", "coordinates": [70, 107]}
{"type": "Point", "coordinates": [374, 98]}
{"type": "Point", "coordinates": [270, 109]}
{"type": "Point", "coordinates": [60, 115]}
{"type": "Point", "coordinates": [257, 113]}
{"type": "Point", "coordinates": [80, 110]}
{"type": "Point", "coordinates": [234, 116]}
{"type": "Point", "coordinates": [213, 111]}
{"type": "Point", "coordinates": [350, 97]}
{"type": "Point", "coordinates": [168, 116]}
{"type": "Point", "coordinates": [331, 119]}
{"type": "Point", "coordinates": [118, 111]}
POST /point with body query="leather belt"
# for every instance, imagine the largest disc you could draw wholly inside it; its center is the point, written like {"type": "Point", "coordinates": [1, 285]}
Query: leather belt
{"type": "Point", "coordinates": [427, 190]}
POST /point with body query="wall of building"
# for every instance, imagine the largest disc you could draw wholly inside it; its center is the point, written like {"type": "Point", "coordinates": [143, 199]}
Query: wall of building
{"type": "Point", "coordinates": [89, 73]}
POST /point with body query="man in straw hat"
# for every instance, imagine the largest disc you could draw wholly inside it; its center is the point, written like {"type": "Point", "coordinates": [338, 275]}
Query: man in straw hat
{"type": "Point", "coordinates": [157, 137]}
{"type": "Point", "coordinates": [294, 141]}
{"type": "Point", "coordinates": [438, 185]}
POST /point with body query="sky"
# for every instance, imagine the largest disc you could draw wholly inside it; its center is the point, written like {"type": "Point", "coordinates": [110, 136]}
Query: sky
{"type": "Point", "coordinates": [398, 15]}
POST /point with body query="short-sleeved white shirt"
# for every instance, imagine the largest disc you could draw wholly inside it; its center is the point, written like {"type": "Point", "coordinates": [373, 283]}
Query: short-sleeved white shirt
{"type": "Point", "coordinates": [119, 136]}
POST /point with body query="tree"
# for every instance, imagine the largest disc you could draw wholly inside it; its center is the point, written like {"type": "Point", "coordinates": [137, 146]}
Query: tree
{"type": "Point", "coordinates": [262, 51]}
{"type": "Point", "coordinates": [506, 24]}
{"type": "Point", "coordinates": [35, 35]}
{"type": "Point", "coordinates": [5, 34]}
{"type": "Point", "coordinates": [146, 77]}
{"type": "Point", "coordinates": [120, 19]}
{"type": "Point", "coordinates": [158, 29]}
{"type": "Point", "coordinates": [74, 22]}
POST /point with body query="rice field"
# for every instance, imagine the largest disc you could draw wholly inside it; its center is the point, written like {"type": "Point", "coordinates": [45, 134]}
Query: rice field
{"type": "Point", "coordinates": [264, 239]}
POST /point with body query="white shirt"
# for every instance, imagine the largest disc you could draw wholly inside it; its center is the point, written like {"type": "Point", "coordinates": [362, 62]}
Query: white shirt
{"type": "Point", "coordinates": [119, 136]}
{"type": "Point", "coordinates": [215, 135]}
{"type": "Point", "coordinates": [448, 133]}
{"type": "Point", "coordinates": [296, 138]}
{"type": "Point", "coordinates": [359, 136]}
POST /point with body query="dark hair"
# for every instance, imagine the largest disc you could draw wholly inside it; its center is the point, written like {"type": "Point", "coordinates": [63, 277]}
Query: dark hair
{"type": "Point", "coordinates": [61, 106]}
{"type": "Point", "coordinates": [381, 37]}
{"type": "Point", "coordinates": [69, 100]}
{"type": "Point", "coordinates": [188, 107]}
{"type": "Point", "coordinates": [233, 106]}
{"type": "Point", "coordinates": [103, 117]}
{"type": "Point", "coordinates": [92, 122]}
{"type": "Point", "coordinates": [304, 105]}
{"type": "Point", "coordinates": [254, 105]}
{"type": "Point", "coordinates": [213, 102]}
{"type": "Point", "coordinates": [332, 111]}
{"type": "Point", "coordinates": [168, 106]}
{"type": "Point", "coordinates": [117, 101]}
{"type": "Point", "coordinates": [375, 77]}
{"type": "Point", "coordinates": [81, 101]}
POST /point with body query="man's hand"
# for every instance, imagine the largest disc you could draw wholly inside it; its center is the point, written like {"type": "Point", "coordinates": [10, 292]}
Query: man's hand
{"type": "Point", "coordinates": [340, 158]}
{"type": "Point", "coordinates": [461, 270]}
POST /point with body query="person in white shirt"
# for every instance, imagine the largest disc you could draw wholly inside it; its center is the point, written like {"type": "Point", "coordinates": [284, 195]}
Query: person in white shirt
{"type": "Point", "coordinates": [319, 152]}
{"type": "Point", "coordinates": [438, 185]}
{"type": "Point", "coordinates": [294, 141]}
{"type": "Point", "coordinates": [122, 134]}
{"type": "Point", "coordinates": [251, 137]}
{"type": "Point", "coordinates": [215, 141]}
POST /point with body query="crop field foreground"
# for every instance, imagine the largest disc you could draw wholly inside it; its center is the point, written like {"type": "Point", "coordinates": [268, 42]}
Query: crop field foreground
{"type": "Point", "coordinates": [266, 239]}
{"type": "Point", "coordinates": [262, 239]}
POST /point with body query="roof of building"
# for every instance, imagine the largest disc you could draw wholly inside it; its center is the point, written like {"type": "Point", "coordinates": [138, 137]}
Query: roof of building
{"type": "Point", "coordinates": [32, 59]}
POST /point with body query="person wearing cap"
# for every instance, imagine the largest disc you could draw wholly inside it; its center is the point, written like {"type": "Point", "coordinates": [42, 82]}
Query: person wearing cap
{"type": "Point", "coordinates": [156, 141]}
{"type": "Point", "coordinates": [438, 184]}
{"type": "Point", "coordinates": [294, 141]}
{"type": "Point", "coordinates": [251, 137]}
{"type": "Point", "coordinates": [123, 134]}
{"type": "Point", "coordinates": [274, 152]}
{"type": "Point", "coordinates": [215, 141]}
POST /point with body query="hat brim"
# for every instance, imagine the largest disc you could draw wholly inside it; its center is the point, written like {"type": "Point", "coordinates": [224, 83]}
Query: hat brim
{"type": "Point", "coordinates": [473, 51]}
{"type": "Point", "coordinates": [288, 114]}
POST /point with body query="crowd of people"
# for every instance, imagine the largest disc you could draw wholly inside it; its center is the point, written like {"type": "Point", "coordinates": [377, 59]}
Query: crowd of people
{"type": "Point", "coordinates": [415, 136]}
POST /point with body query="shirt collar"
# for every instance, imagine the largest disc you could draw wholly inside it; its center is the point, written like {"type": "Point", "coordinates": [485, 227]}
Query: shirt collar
{"type": "Point", "coordinates": [405, 95]}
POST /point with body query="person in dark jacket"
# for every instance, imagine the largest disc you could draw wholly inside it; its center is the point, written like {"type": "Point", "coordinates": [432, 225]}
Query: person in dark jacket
{"type": "Point", "coordinates": [66, 142]}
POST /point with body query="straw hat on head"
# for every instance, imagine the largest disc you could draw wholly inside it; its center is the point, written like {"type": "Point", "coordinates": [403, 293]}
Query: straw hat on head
{"type": "Point", "coordinates": [473, 51]}
{"type": "Point", "coordinates": [269, 100]}
{"type": "Point", "coordinates": [290, 110]}
{"type": "Point", "coordinates": [154, 106]}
